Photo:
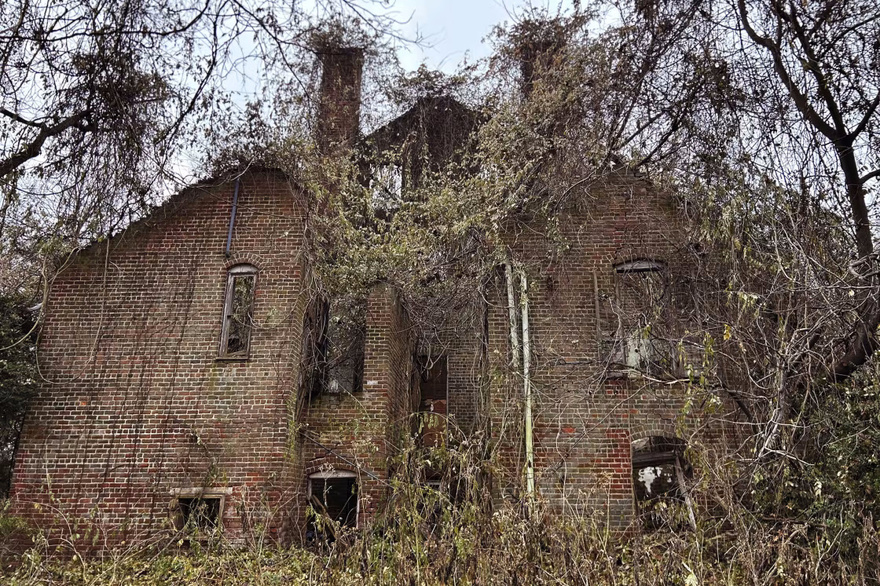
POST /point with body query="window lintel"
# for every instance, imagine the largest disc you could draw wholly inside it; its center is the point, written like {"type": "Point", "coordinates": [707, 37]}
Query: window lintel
{"type": "Point", "coordinates": [640, 265]}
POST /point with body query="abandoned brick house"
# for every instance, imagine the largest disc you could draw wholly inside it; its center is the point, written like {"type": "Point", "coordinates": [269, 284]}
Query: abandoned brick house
{"type": "Point", "coordinates": [177, 384]}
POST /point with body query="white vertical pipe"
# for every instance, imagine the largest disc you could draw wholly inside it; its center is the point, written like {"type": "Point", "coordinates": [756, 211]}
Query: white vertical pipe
{"type": "Point", "coordinates": [511, 314]}
{"type": "Point", "coordinates": [527, 392]}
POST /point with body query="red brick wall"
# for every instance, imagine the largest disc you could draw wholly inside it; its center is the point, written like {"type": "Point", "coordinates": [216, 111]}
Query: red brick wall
{"type": "Point", "coordinates": [359, 432]}
{"type": "Point", "coordinates": [340, 98]}
{"type": "Point", "coordinates": [462, 345]}
{"type": "Point", "coordinates": [135, 403]}
{"type": "Point", "coordinates": [584, 423]}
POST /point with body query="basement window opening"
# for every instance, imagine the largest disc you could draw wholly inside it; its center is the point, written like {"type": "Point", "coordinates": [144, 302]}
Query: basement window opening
{"type": "Point", "coordinates": [332, 496]}
{"type": "Point", "coordinates": [660, 472]}
{"type": "Point", "coordinates": [238, 311]}
{"type": "Point", "coordinates": [201, 513]}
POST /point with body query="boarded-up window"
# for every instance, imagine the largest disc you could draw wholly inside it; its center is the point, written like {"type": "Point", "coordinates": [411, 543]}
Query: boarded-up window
{"type": "Point", "coordinates": [238, 311]}
{"type": "Point", "coordinates": [333, 496]}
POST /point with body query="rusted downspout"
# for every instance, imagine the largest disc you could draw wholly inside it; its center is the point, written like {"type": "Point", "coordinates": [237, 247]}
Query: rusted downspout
{"type": "Point", "coordinates": [232, 217]}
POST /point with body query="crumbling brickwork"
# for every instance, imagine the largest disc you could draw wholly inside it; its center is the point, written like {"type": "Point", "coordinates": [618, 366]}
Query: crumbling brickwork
{"type": "Point", "coordinates": [360, 431]}
{"type": "Point", "coordinates": [139, 408]}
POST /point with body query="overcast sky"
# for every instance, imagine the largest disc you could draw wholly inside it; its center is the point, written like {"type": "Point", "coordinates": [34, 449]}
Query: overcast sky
{"type": "Point", "coordinates": [458, 27]}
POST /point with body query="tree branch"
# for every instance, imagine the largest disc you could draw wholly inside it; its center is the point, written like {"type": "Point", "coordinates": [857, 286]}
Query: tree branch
{"type": "Point", "coordinates": [19, 119]}
{"type": "Point", "coordinates": [863, 347]}
{"type": "Point", "coordinates": [813, 67]}
{"type": "Point", "coordinates": [800, 101]}
{"type": "Point", "coordinates": [867, 117]}
{"type": "Point", "coordinates": [33, 149]}
{"type": "Point", "coordinates": [872, 175]}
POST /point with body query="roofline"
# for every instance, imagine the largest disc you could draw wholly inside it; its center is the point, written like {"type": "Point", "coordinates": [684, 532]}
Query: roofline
{"type": "Point", "coordinates": [223, 177]}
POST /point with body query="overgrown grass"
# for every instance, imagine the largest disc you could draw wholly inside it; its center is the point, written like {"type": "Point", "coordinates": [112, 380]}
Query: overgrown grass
{"type": "Point", "coordinates": [516, 552]}
{"type": "Point", "coordinates": [460, 534]}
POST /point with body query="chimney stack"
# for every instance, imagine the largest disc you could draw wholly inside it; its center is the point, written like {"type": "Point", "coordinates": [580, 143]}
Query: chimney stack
{"type": "Point", "coordinates": [537, 44]}
{"type": "Point", "coordinates": [340, 97]}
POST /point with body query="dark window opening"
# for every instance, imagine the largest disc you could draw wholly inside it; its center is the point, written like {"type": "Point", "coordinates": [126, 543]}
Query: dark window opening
{"type": "Point", "coordinates": [199, 513]}
{"type": "Point", "coordinates": [334, 498]}
{"type": "Point", "coordinates": [315, 347]}
{"type": "Point", "coordinates": [431, 137]}
{"type": "Point", "coordinates": [660, 472]}
{"type": "Point", "coordinates": [341, 357]}
{"type": "Point", "coordinates": [238, 311]}
{"type": "Point", "coordinates": [642, 265]}
{"type": "Point", "coordinates": [433, 400]}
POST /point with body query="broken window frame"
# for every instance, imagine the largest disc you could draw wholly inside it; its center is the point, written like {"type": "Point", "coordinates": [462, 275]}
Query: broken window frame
{"type": "Point", "coordinates": [315, 345]}
{"type": "Point", "coordinates": [669, 507]}
{"type": "Point", "coordinates": [341, 361]}
{"type": "Point", "coordinates": [241, 271]}
{"type": "Point", "coordinates": [638, 351]}
{"type": "Point", "coordinates": [429, 421]}
{"type": "Point", "coordinates": [183, 510]}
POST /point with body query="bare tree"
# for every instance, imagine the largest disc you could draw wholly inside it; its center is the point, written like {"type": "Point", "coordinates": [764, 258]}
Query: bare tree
{"type": "Point", "coordinates": [98, 99]}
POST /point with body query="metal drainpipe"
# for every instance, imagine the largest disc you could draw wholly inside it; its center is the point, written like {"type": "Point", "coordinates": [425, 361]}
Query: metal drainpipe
{"type": "Point", "coordinates": [232, 216]}
{"type": "Point", "coordinates": [511, 314]}
{"type": "Point", "coordinates": [527, 393]}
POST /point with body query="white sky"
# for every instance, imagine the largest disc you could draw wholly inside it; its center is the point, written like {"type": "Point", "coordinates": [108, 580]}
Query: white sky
{"type": "Point", "coordinates": [456, 28]}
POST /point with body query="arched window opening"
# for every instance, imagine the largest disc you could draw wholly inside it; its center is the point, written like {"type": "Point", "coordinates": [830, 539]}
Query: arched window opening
{"type": "Point", "coordinates": [241, 284]}
{"type": "Point", "coordinates": [333, 496]}
{"type": "Point", "coordinates": [637, 343]}
{"type": "Point", "coordinates": [660, 473]}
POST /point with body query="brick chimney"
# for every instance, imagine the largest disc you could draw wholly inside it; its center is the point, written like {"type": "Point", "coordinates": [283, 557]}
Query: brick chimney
{"type": "Point", "coordinates": [340, 97]}
{"type": "Point", "coordinates": [538, 43]}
